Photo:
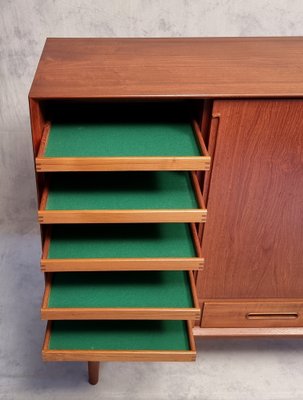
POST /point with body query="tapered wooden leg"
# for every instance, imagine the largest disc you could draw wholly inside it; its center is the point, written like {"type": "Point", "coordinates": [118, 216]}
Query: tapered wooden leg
{"type": "Point", "coordinates": [93, 372]}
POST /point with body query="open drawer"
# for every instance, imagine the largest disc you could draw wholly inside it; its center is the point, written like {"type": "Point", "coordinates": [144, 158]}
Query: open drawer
{"type": "Point", "coordinates": [121, 137]}
{"type": "Point", "coordinates": [117, 247]}
{"type": "Point", "coordinates": [113, 197]}
{"type": "Point", "coordinates": [119, 341]}
{"type": "Point", "coordinates": [120, 295]}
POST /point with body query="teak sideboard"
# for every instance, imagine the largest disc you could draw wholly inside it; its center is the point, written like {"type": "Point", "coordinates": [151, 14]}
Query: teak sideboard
{"type": "Point", "coordinates": [170, 192]}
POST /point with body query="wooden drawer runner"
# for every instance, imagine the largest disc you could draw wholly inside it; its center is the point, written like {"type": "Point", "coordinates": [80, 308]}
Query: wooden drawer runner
{"type": "Point", "coordinates": [119, 197]}
{"type": "Point", "coordinates": [116, 295]}
{"type": "Point", "coordinates": [253, 314]}
{"type": "Point", "coordinates": [118, 247]}
{"type": "Point", "coordinates": [121, 137]}
{"type": "Point", "coordinates": [119, 341]}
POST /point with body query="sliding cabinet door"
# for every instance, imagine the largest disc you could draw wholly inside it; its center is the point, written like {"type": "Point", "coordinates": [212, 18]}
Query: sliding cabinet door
{"type": "Point", "coordinates": [253, 238]}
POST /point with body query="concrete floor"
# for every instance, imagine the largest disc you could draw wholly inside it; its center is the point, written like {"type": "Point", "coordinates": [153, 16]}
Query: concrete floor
{"type": "Point", "coordinates": [225, 369]}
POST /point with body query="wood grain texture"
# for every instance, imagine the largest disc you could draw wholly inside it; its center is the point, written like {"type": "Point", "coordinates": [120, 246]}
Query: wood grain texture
{"type": "Point", "coordinates": [121, 264]}
{"type": "Point", "coordinates": [119, 216]}
{"type": "Point", "coordinates": [122, 313]}
{"type": "Point", "coordinates": [253, 314]}
{"type": "Point", "coordinates": [37, 124]}
{"type": "Point", "coordinates": [171, 67]}
{"type": "Point", "coordinates": [253, 239]}
{"type": "Point", "coordinates": [55, 164]}
{"type": "Point", "coordinates": [248, 333]}
{"type": "Point", "coordinates": [120, 356]}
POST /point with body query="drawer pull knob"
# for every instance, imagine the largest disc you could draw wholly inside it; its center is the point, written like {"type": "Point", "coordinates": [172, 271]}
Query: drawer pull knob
{"type": "Point", "coordinates": [280, 315]}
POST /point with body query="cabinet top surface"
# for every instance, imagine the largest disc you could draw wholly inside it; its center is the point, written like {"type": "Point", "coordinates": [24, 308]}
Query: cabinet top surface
{"type": "Point", "coordinates": [170, 67]}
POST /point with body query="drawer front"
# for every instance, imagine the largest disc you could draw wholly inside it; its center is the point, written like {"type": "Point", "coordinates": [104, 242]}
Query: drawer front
{"type": "Point", "coordinates": [253, 314]}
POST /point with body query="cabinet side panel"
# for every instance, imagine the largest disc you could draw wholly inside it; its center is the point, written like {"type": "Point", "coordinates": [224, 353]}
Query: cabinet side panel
{"type": "Point", "coordinates": [37, 125]}
{"type": "Point", "coordinates": [253, 239]}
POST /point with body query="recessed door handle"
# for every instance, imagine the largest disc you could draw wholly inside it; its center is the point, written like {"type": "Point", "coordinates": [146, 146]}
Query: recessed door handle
{"type": "Point", "coordinates": [278, 315]}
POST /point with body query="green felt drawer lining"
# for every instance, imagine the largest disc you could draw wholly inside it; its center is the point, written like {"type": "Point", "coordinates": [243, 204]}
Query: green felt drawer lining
{"type": "Point", "coordinates": [127, 140]}
{"type": "Point", "coordinates": [121, 241]}
{"type": "Point", "coordinates": [129, 129]}
{"type": "Point", "coordinates": [119, 335]}
{"type": "Point", "coordinates": [121, 191]}
{"type": "Point", "coordinates": [131, 289]}
{"type": "Point", "coordinates": [163, 190]}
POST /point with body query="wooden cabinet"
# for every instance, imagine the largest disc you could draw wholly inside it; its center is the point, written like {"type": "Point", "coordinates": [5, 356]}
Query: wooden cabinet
{"type": "Point", "coordinates": [137, 143]}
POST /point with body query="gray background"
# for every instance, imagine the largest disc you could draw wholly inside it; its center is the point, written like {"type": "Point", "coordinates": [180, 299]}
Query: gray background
{"type": "Point", "coordinates": [231, 369]}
